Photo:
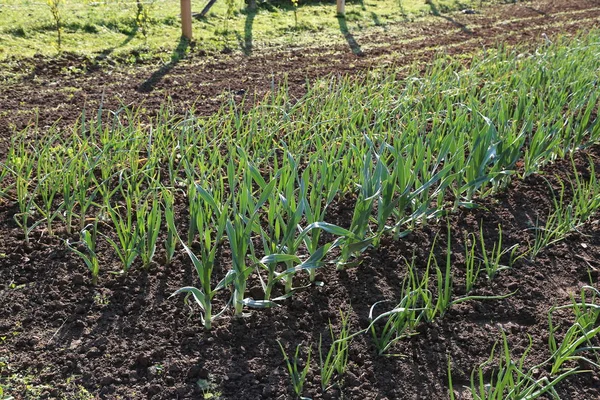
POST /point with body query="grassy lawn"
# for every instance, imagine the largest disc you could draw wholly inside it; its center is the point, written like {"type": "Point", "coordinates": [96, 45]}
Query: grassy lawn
{"type": "Point", "coordinates": [92, 27]}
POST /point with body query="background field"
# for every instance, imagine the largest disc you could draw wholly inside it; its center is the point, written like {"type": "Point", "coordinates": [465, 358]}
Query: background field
{"type": "Point", "coordinates": [26, 27]}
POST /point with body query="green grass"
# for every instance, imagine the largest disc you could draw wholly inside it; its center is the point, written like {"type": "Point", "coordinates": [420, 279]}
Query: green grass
{"type": "Point", "coordinates": [109, 26]}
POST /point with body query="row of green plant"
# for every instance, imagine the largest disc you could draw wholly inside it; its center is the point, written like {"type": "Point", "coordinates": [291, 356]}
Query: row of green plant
{"type": "Point", "coordinates": [510, 378]}
{"type": "Point", "coordinates": [428, 294]}
{"type": "Point", "coordinates": [565, 217]}
{"type": "Point", "coordinates": [575, 347]}
{"type": "Point", "coordinates": [425, 296]}
{"type": "Point", "coordinates": [261, 182]}
{"type": "Point", "coordinates": [574, 352]}
{"type": "Point", "coordinates": [422, 302]}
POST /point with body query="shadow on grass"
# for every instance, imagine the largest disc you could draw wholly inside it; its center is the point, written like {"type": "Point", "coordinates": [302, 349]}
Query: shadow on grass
{"type": "Point", "coordinates": [354, 46]}
{"type": "Point", "coordinates": [106, 52]}
{"type": "Point", "coordinates": [156, 77]}
{"type": "Point", "coordinates": [246, 43]}
{"type": "Point", "coordinates": [436, 12]}
{"type": "Point", "coordinates": [376, 20]}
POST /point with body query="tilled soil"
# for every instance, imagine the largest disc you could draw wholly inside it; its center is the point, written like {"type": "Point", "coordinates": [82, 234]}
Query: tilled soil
{"type": "Point", "coordinates": [125, 338]}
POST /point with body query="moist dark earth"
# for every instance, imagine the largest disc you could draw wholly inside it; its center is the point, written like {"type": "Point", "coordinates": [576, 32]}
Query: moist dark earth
{"type": "Point", "coordinates": [125, 338]}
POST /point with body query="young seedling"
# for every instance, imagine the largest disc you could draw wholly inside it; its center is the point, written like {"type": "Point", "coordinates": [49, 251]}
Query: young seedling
{"type": "Point", "coordinates": [472, 263]}
{"type": "Point", "coordinates": [559, 222]}
{"type": "Point", "coordinates": [211, 219]}
{"type": "Point", "coordinates": [360, 239]}
{"type": "Point", "coordinates": [510, 379]}
{"type": "Point", "coordinates": [336, 360]}
{"type": "Point", "coordinates": [171, 237]}
{"type": "Point", "coordinates": [128, 233]}
{"type": "Point", "coordinates": [297, 375]}
{"type": "Point", "coordinates": [317, 199]}
{"type": "Point", "coordinates": [50, 173]}
{"type": "Point", "coordinates": [492, 262]}
{"type": "Point", "coordinates": [88, 240]}
{"type": "Point", "coordinates": [579, 338]}
{"type": "Point", "coordinates": [399, 322]}
{"type": "Point", "coordinates": [22, 165]}
{"type": "Point", "coordinates": [243, 224]}
{"type": "Point", "coordinates": [149, 220]}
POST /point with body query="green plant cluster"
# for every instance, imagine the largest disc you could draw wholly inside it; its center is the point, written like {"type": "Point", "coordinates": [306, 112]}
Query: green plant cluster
{"type": "Point", "coordinates": [262, 182]}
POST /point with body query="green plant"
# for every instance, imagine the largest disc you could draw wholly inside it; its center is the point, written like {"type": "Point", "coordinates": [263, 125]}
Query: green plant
{"type": "Point", "coordinates": [336, 360]}
{"type": "Point", "coordinates": [444, 280]}
{"type": "Point", "coordinates": [171, 237]}
{"type": "Point", "coordinates": [50, 176]}
{"type": "Point", "coordinates": [79, 185]}
{"type": "Point", "coordinates": [21, 164]}
{"type": "Point", "coordinates": [239, 228]}
{"type": "Point", "coordinates": [88, 255]}
{"type": "Point", "coordinates": [297, 375]}
{"type": "Point", "coordinates": [399, 323]}
{"type": "Point", "coordinates": [284, 214]}
{"type": "Point", "coordinates": [579, 337]}
{"type": "Point", "coordinates": [320, 192]}
{"type": "Point", "coordinates": [294, 263]}
{"type": "Point", "coordinates": [541, 149]}
{"type": "Point", "coordinates": [564, 218]}
{"type": "Point", "coordinates": [56, 11]}
{"type": "Point", "coordinates": [149, 220]}
{"type": "Point", "coordinates": [492, 261]}
{"type": "Point", "coordinates": [359, 238]}
{"type": "Point", "coordinates": [510, 379]}
{"type": "Point", "coordinates": [586, 194]}
{"type": "Point", "coordinates": [67, 186]}
{"type": "Point", "coordinates": [208, 214]}
{"type": "Point", "coordinates": [128, 233]}
{"type": "Point", "coordinates": [419, 302]}
{"type": "Point", "coordinates": [472, 263]}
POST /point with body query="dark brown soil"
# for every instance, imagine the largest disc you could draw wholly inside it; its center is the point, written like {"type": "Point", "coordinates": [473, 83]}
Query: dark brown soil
{"type": "Point", "coordinates": [126, 339]}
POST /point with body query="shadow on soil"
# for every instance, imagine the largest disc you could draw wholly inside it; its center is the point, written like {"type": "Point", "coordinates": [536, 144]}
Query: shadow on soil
{"type": "Point", "coordinates": [541, 12]}
{"type": "Point", "coordinates": [156, 77]}
{"type": "Point", "coordinates": [354, 46]}
{"type": "Point", "coordinates": [436, 12]}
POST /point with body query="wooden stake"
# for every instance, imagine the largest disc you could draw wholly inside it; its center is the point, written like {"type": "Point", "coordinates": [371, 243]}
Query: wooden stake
{"type": "Point", "coordinates": [341, 8]}
{"type": "Point", "coordinates": [186, 18]}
